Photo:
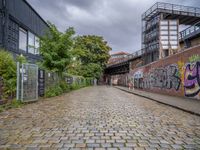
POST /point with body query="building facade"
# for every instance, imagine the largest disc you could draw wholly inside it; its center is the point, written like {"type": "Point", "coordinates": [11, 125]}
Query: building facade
{"type": "Point", "coordinates": [20, 29]}
{"type": "Point", "coordinates": [160, 29]}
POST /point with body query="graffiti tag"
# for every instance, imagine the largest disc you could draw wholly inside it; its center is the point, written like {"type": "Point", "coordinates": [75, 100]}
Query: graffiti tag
{"type": "Point", "coordinates": [192, 79]}
{"type": "Point", "coordinates": [165, 78]}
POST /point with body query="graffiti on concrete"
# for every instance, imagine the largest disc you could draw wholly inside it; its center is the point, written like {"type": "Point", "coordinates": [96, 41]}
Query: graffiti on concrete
{"type": "Point", "coordinates": [192, 79]}
{"type": "Point", "coordinates": [164, 78]}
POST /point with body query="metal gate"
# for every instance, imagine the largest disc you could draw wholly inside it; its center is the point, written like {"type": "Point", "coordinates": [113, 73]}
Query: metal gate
{"type": "Point", "coordinates": [27, 82]}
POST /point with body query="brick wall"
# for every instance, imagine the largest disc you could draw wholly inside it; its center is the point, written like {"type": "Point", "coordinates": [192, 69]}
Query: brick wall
{"type": "Point", "coordinates": [177, 75]}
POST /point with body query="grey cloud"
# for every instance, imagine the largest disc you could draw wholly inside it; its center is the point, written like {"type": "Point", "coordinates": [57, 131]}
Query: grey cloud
{"type": "Point", "coordinates": [118, 21]}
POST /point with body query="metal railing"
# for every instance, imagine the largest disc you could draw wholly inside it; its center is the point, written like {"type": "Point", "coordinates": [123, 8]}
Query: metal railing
{"type": "Point", "coordinates": [194, 29]}
{"type": "Point", "coordinates": [166, 7]}
{"type": "Point", "coordinates": [128, 57]}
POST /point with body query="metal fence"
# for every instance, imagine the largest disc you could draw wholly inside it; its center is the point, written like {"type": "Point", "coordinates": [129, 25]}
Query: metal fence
{"type": "Point", "coordinates": [27, 82]}
{"type": "Point", "coordinates": [33, 82]}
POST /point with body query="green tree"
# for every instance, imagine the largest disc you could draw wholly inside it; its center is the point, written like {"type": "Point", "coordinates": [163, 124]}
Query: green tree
{"type": "Point", "coordinates": [55, 49]}
{"type": "Point", "coordinates": [91, 54]}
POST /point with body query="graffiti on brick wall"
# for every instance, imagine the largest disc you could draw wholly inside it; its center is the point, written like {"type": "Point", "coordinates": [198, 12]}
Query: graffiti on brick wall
{"type": "Point", "coordinates": [164, 78]}
{"type": "Point", "coordinates": [179, 78]}
{"type": "Point", "coordinates": [192, 79]}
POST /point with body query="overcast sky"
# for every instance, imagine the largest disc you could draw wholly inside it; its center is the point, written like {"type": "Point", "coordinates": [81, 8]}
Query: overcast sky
{"type": "Point", "coordinates": [118, 21]}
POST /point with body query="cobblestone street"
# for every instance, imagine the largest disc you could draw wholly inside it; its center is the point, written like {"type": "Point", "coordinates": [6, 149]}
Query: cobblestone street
{"type": "Point", "coordinates": [98, 118]}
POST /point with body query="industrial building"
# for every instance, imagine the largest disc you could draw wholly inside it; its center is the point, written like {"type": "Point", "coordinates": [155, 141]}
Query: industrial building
{"type": "Point", "coordinates": [160, 30]}
{"type": "Point", "coordinates": [20, 29]}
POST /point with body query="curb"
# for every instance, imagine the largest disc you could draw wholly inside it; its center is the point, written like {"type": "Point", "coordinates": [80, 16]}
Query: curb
{"type": "Point", "coordinates": [177, 107]}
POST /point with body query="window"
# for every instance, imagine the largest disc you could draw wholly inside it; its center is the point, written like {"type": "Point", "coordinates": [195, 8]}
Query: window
{"type": "Point", "coordinates": [37, 45]}
{"type": "Point", "coordinates": [163, 27]}
{"type": "Point", "coordinates": [33, 43]}
{"type": "Point", "coordinates": [22, 39]}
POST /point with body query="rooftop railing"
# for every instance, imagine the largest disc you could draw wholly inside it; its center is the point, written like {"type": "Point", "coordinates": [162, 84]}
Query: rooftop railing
{"type": "Point", "coordinates": [188, 10]}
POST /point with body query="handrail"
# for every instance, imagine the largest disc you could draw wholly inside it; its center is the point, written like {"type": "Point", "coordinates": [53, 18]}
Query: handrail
{"type": "Point", "coordinates": [189, 30]}
{"type": "Point", "coordinates": [128, 57]}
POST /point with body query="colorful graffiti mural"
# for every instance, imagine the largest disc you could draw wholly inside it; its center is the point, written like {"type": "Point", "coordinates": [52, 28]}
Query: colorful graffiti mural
{"type": "Point", "coordinates": [192, 79]}
{"type": "Point", "coordinates": [164, 78]}
{"type": "Point", "coordinates": [181, 78]}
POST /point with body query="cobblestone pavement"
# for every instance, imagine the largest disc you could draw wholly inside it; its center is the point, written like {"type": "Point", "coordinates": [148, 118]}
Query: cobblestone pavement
{"type": "Point", "coordinates": [98, 118]}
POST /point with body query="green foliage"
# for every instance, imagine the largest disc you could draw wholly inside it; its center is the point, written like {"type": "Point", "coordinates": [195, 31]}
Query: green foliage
{"type": "Point", "coordinates": [91, 70]}
{"type": "Point", "coordinates": [90, 55]}
{"type": "Point", "coordinates": [64, 87]}
{"type": "Point", "coordinates": [8, 73]}
{"type": "Point", "coordinates": [13, 104]}
{"type": "Point", "coordinates": [21, 59]}
{"type": "Point", "coordinates": [53, 91]}
{"type": "Point", "coordinates": [55, 49]}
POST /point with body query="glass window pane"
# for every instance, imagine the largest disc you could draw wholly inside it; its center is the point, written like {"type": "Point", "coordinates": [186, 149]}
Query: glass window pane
{"type": "Point", "coordinates": [164, 37]}
{"type": "Point", "coordinates": [173, 22]}
{"type": "Point", "coordinates": [37, 45]}
{"type": "Point", "coordinates": [173, 42]}
{"type": "Point", "coordinates": [173, 27]}
{"type": "Point", "coordinates": [164, 22]}
{"type": "Point", "coordinates": [174, 46]}
{"type": "Point", "coordinates": [163, 27]}
{"type": "Point", "coordinates": [22, 39]}
{"type": "Point", "coordinates": [164, 42]}
{"type": "Point", "coordinates": [173, 32]}
{"type": "Point", "coordinates": [165, 47]}
{"type": "Point", "coordinates": [164, 32]}
{"type": "Point", "coordinates": [173, 37]}
{"type": "Point", "coordinates": [31, 43]}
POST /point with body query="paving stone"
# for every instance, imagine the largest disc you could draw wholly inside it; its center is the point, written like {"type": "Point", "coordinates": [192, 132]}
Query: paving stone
{"type": "Point", "coordinates": [176, 146]}
{"type": "Point", "coordinates": [93, 145]}
{"type": "Point", "coordinates": [112, 149]}
{"type": "Point", "coordinates": [131, 144]}
{"type": "Point", "coordinates": [118, 145]}
{"type": "Point", "coordinates": [96, 118]}
{"type": "Point", "coordinates": [90, 141]}
{"type": "Point", "coordinates": [100, 141]}
{"type": "Point", "coordinates": [69, 145]}
{"type": "Point", "coordinates": [106, 145]}
{"type": "Point", "coordinates": [82, 145]}
{"type": "Point", "coordinates": [126, 148]}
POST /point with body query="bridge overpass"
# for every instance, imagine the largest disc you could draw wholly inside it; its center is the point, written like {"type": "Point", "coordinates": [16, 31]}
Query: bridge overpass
{"type": "Point", "coordinates": [124, 66]}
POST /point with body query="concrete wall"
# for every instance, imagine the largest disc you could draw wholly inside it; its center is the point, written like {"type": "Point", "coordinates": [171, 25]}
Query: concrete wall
{"type": "Point", "coordinates": [121, 79]}
{"type": "Point", "coordinates": [177, 75]}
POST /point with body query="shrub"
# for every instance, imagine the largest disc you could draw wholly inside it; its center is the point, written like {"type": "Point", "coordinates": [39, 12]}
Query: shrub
{"type": "Point", "coordinates": [8, 73]}
{"type": "Point", "coordinates": [53, 91]}
{"type": "Point", "coordinates": [64, 86]}
{"type": "Point", "coordinates": [13, 104]}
